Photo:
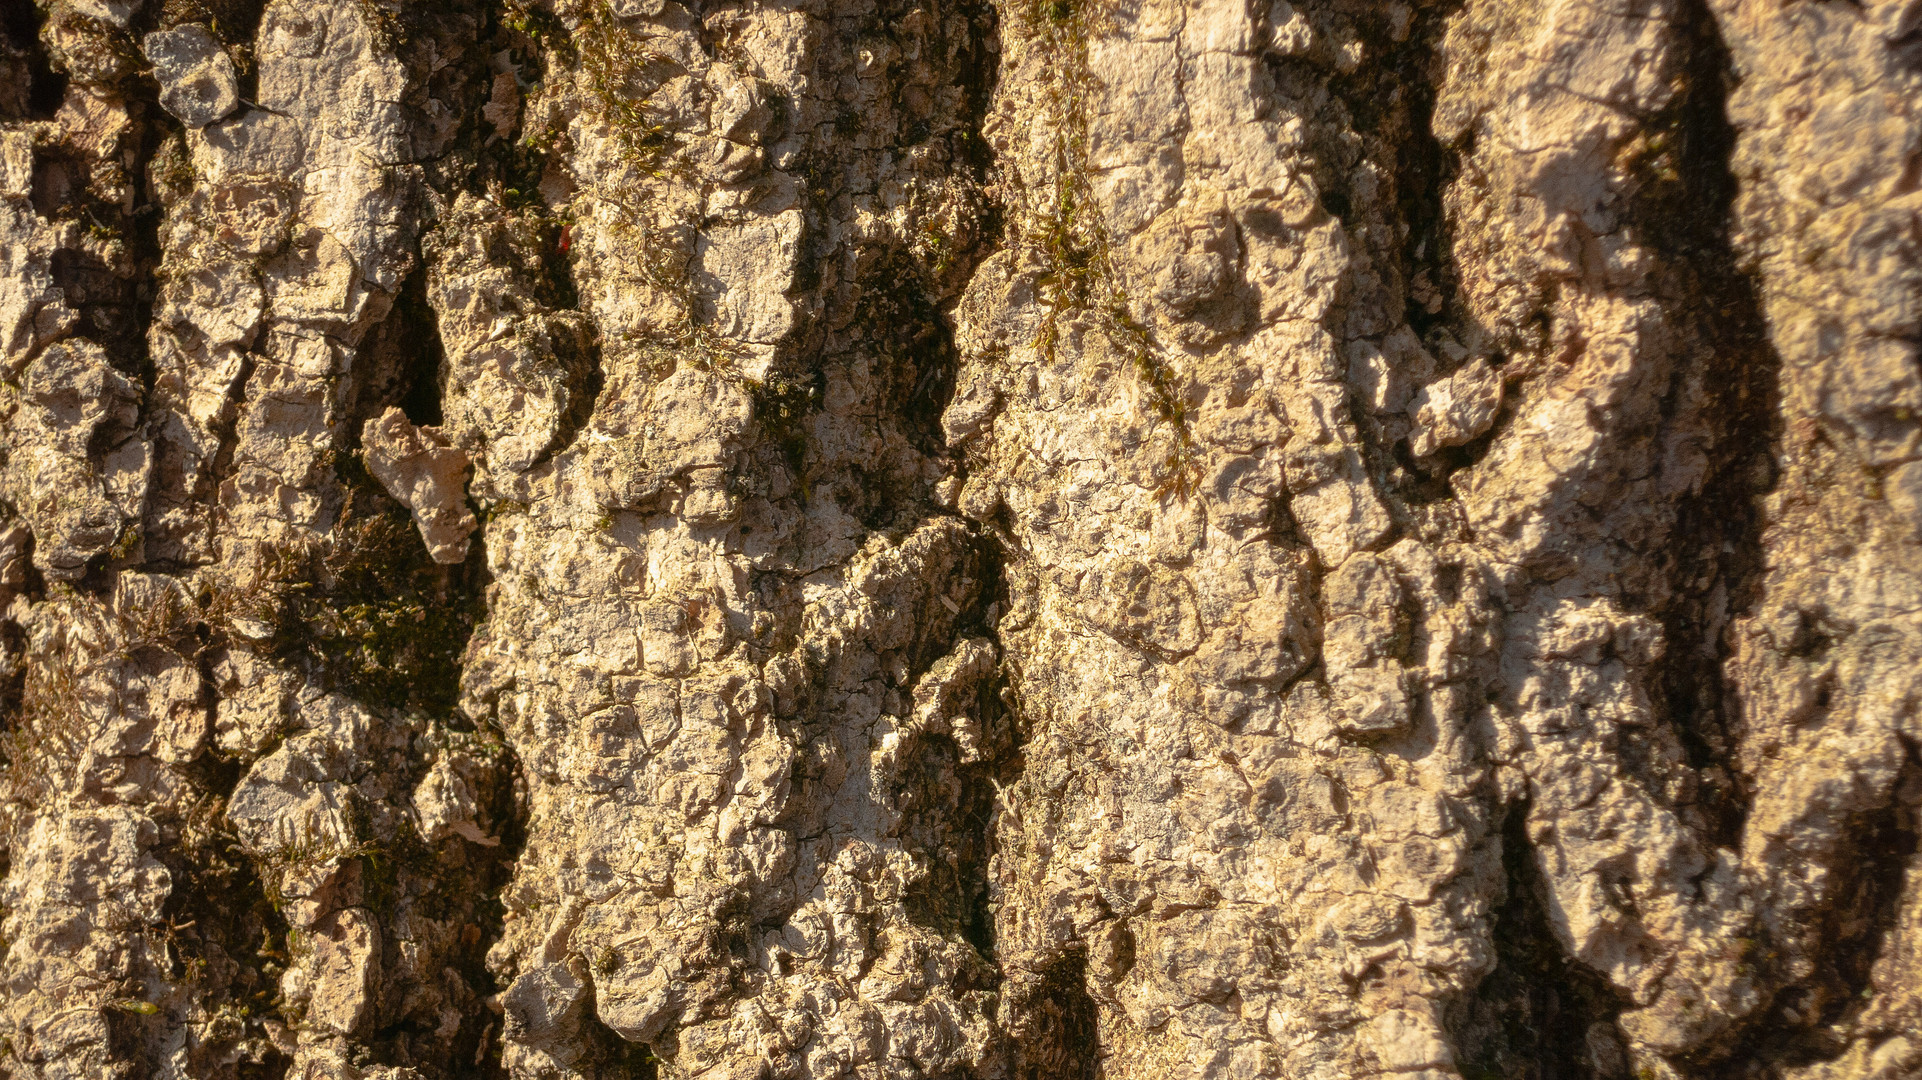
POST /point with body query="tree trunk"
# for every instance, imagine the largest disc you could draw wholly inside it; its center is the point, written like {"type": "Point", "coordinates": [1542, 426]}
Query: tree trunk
{"type": "Point", "coordinates": [1026, 539]}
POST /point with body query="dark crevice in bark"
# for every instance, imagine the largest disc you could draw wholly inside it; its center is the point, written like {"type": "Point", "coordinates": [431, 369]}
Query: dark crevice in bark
{"type": "Point", "coordinates": [979, 72]}
{"type": "Point", "coordinates": [420, 397]}
{"type": "Point", "coordinates": [897, 336]}
{"type": "Point", "coordinates": [398, 364]}
{"type": "Point", "coordinates": [1538, 1015]}
{"type": "Point", "coordinates": [508, 170]}
{"type": "Point", "coordinates": [1816, 1019]}
{"type": "Point", "coordinates": [979, 789]}
{"type": "Point", "coordinates": [912, 336]}
{"type": "Point", "coordinates": [607, 1056]}
{"type": "Point", "coordinates": [113, 296]}
{"type": "Point", "coordinates": [898, 310]}
{"type": "Point", "coordinates": [1392, 102]}
{"type": "Point", "coordinates": [222, 934]}
{"type": "Point", "coordinates": [456, 883]}
{"type": "Point", "coordinates": [1859, 927]}
{"type": "Point", "coordinates": [226, 432]}
{"type": "Point", "coordinates": [111, 290]}
{"type": "Point", "coordinates": [973, 829]}
{"type": "Point", "coordinates": [30, 88]}
{"type": "Point", "coordinates": [1056, 1036]}
{"type": "Point", "coordinates": [954, 900]}
{"type": "Point", "coordinates": [223, 939]}
{"type": "Point", "coordinates": [1683, 210]}
{"type": "Point", "coordinates": [1424, 169]}
{"type": "Point", "coordinates": [233, 21]}
{"type": "Point", "coordinates": [957, 900]}
{"type": "Point", "coordinates": [510, 811]}
{"type": "Point", "coordinates": [386, 623]}
{"type": "Point", "coordinates": [927, 340]}
{"type": "Point", "coordinates": [1387, 106]}
{"type": "Point", "coordinates": [389, 627]}
{"type": "Point", "coordinates": [586, 369]}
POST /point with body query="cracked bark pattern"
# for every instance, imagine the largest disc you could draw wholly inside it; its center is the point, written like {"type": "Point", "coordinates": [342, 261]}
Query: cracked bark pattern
{"type": "Point", "coordinates": [953, 538]}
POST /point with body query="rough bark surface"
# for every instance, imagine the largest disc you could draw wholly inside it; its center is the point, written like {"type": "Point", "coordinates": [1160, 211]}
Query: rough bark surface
{"type": "Point", "coordinates": [1023, 539]}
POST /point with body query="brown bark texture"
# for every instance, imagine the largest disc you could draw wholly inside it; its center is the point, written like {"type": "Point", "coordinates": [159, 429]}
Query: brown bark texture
{"type": "Point", "coordinates": [937, 539]}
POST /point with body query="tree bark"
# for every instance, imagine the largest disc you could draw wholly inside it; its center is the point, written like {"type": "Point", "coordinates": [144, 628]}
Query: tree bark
{"type": "Point", "coordinates": [1027, 539]}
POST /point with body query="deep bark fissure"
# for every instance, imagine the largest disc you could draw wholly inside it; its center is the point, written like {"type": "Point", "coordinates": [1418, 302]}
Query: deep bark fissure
{"type": "Point", "coordinates": [1685, 207]}
{"type": "Point", "coordinates": [418, 393]}
{"type": "Point", "coordinates": [1809, 1021]}
{"type": "Point", "coordinates": [958, 902]}
{"type": "Point", "coordinates": [1057, 1032]}
{"type": "Point", "coordinates": [1531, 1018]}
{"type": "Point", "coordinates": [220, 910]}
{"type": "Point", "coordinates": [1389, 105]}
{"type": "Point", "coordinates": [35, 90]}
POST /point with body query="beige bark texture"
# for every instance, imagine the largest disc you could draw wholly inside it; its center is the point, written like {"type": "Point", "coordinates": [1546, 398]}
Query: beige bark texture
{"type": "Point", "coordinates": [939, 539]}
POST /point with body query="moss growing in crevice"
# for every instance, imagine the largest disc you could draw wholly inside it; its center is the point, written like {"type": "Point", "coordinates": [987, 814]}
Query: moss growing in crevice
{"type": "Point", "coordinates": [622, 73]}
{"type": "Point", "coordinates": [369, 612]}
{"type": "Point", "coordinates": [782, 404]}
{"type": "Point", "coordinates": [366, 613]}
{"type": "Point", "coordinates": [619, 76]}
{"type": "Point", "coordinates": [1068, 237]}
